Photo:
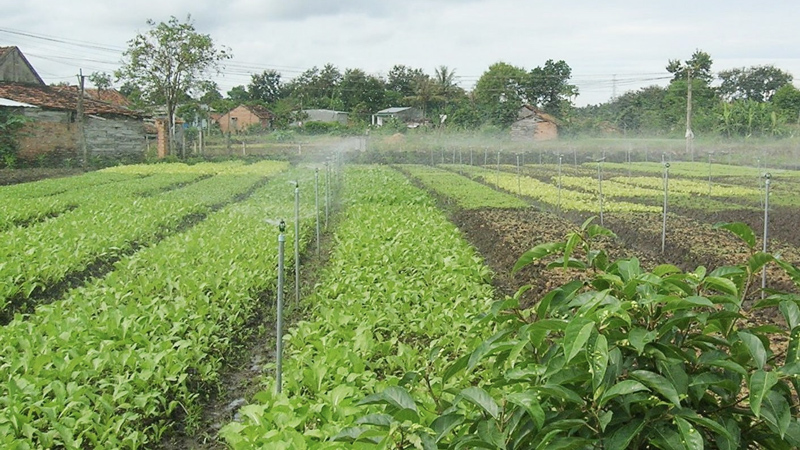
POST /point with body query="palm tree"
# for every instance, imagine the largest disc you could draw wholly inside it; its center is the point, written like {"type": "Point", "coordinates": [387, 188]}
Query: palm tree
{"type": "Point", "coordinates": [445, 80]}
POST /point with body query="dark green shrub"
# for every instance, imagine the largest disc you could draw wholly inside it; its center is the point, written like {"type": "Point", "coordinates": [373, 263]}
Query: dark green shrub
{"type": "Point", "coordinates": [620, 358]}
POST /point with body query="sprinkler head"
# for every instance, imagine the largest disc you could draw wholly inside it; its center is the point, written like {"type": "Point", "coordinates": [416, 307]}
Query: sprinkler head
{"type": "Point", "coordinates": [767, 175]}
{"type": "Point", "coordinates": [666, 165]}
{"type": "Point", "coordinates": [282, 226]}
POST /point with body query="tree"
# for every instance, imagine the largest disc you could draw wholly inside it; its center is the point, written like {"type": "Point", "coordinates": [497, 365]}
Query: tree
{"type": "Point", "coordinates": [361, 93]}
{"type": "Point", "coordinates": [170, 60]}
{"type": "Point", "coordinates": [758, 83]}
{"type": "Point", "coordinates": [548, 87]}
{"type": "Point", "coordinates": [210, 93]}
{"type": "Point", "coordinates": [426, 94]}
{"type": "Point", "coordinates": [238, 94]}
{"type": "Point", "coordinates": [787, 102]}
{"type": "Point", "coordinates": [699, 65]}
{"type": "Point", "coordinates": [317, 88]}
{"type": "Point", "coordinates": [402, 80]}
{"type": "Point", "coordinates": [499, 93]}
{"type": "Point", "coordinates": [266, 87]}
{"type": "Point", "coordinates": [100, 80]}
{"type": "Point", "coordinates": [445, 78]}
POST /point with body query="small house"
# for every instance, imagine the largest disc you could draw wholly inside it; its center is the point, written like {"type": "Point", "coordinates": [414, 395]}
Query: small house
{"type": "Point", "coordinates": [533, 124]}
{"type": "Point", "coordinates": [243, 117]}
{"type": "Point", "coordinates": [409, 115]}
{"type": "Point", "coordinates": [325, 116]}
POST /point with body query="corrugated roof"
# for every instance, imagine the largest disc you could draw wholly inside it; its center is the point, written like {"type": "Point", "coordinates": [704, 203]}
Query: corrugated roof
{"type": "Point", "coordinates": [393, 110]}
{"type": "Point", "coordinates": [14, 104]}
{"type": "Point", "coordinates": [60, 97]}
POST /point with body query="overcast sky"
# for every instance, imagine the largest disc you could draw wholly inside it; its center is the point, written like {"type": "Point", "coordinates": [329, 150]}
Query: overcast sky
{"type": "Point", "coordinates": [606, 43]}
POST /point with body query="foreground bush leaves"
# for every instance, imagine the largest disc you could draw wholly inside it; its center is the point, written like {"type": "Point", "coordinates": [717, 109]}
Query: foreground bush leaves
{"type": "Point", "coordinates": [625, 358]}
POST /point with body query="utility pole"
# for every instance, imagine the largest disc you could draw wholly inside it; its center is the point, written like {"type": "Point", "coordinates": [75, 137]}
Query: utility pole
{"type": "Point", "coordinates": [79, 121]}
{"type": "Point", "coordinates": [689, 134]}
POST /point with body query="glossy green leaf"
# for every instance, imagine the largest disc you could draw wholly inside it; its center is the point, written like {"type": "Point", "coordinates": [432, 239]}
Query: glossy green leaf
{"type": "Point", "coordinates": [621, 437]}
{"type": "Point", "coordinates": [758, 261]}
{"type": "Point", "coordinates": [598, 362]}
{"type": "Point", "coordinates": [482, 399]}
{"type": "Point", "coordinates": [723, 285]}
{"type": "Point", "coordinates": [755, 347]}
{"type": "Point", "coordinates": [793, 350]}
{"type": "Point", "coordinates": [446, 423]}
{"type": "Point", "coordinates": [760, 384]}
{"type": "Point", "coordinates": [776, 412]}
{"type": "Point", "coordinates": [691, 437]}
{"type": "Point", "coordinates": [791, 312]}
{"type": "Point", "coordinates": [530, 402]}
{"type": "Point", "coordinates": [659, 384]}
{"type": "Point", "coordinates": [639, 337]}
{"type": "Point", "coordinates": [739, 229]}
{"type": "Point", "coordinates": [622, 388]}
{"type": "Point", "coordinates": [576, 335]}
{"type": "Point", "coordinates": [536, 253]}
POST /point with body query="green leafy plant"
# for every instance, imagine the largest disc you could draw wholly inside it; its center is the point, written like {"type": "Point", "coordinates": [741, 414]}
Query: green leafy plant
{"type": "Point", "coordinates": [624, 358]}
{"type": "Point", "coordinates": [10, 128]}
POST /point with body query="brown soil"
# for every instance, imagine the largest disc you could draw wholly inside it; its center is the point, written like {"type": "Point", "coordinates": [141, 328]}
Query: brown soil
{"type": "Point", "coordinates": [14, 176]}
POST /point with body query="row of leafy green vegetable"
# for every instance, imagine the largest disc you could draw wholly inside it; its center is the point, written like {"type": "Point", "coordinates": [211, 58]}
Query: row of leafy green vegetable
{"type": "Point", "coordinates": [468, 194]}
{"type": "Point", "coordinates": [109, 224]}
{"type": "Point", "coordinates": [395, 305]}
{"type": "Point", "coordinates": [116, 361]}
{"type": "Point", "coordinates": [31, 202]}
{"type": "Point", "coordinates": [548, 194]}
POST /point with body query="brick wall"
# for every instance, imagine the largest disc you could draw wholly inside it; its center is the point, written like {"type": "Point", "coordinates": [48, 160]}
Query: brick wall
{"type": "Point", "coordinates": [50, 134]}
{"type": "Point", "coordinates": [240, 119]}
{"type": "Point", "coordinates": [533, 129]}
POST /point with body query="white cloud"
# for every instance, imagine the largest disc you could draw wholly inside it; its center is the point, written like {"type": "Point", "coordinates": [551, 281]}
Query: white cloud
{"type": "Point", "coordinates": [632, 40]}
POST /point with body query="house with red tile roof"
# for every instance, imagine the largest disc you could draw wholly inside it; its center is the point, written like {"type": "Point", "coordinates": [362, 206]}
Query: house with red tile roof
{"type": "Point", "coordinates": [111, 131]}
{"type": "Point", "coordinates": [243, 117]}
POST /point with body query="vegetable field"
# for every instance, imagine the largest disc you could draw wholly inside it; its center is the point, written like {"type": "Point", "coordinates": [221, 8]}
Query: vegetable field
{"type": "Point", "coordinates": [458, 306]}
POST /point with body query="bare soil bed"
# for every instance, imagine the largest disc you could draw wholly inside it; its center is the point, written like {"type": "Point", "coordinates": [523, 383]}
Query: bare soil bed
{"type": "Point", "coordinates": [15, 176]}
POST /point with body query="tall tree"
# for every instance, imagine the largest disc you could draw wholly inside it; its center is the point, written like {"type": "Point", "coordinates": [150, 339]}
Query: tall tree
{"type": "Point", "coordinates": [758, 83]}
{"type": "Point", "coordinates": [548, 87]}
{"type": "Point", "coordinates": [209, 92]}
{"type": "Point", "coordinates": [317, 88]}
{"type": "Point", "coordinates": [499, 93]}
{"type": "Point", "coordinates": [100, 80]}
{"type": "Point", "coordinates": [171, 59]}
{"type": "Point", "coordinates": [266, 87]}
{"type": "Point", "coordinates": [426, 94]}
{"type": "Point", "coordinates": [402, 81]}
{"type": "Point", "coordinates": [362, 93]}
{"type": "Point", "coordinates": [787, 103]}
{"type": "Point", "coordinates": [699, 65]}
{"type": "Point", "coordinates": [238, 94]}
